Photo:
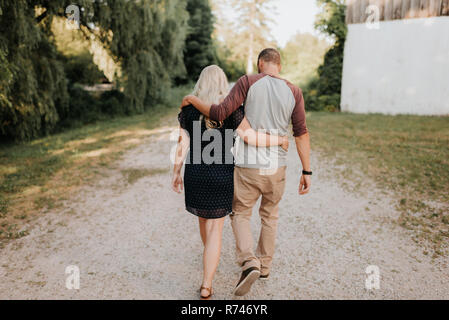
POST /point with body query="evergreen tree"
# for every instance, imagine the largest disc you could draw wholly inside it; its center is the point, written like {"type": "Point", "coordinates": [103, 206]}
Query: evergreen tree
{"type": "Point", "coordinates": [199, 50]}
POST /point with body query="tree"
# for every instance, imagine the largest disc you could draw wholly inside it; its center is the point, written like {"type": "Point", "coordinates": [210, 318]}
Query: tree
{"type": "Point", "coordinates": [199, 50]}
{"type": "Point", "coordinates": [233, 65]}
{"type": "Point", "coordinates": [301, 57]}
{"type": "Point", "coordinates": [33, 84]}
{"type": "Point", "coordinates": [145, 38]}
{"type": "Point", "coordinates": [323, 92]}
{"type": "Point", "coordinates": [332, 22]}
{"type": "Point", "coordinates": [234, 68]}
{"type": "Point", "coordinates": [250, 32]}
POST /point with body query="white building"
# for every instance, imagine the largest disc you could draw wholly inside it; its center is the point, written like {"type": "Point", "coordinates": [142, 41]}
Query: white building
{"type": "Point", "coordinates": [399, 65]}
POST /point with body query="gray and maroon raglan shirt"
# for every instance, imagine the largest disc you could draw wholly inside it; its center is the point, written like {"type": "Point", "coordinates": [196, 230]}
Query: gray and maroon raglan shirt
{"type": "Point", "coordinates": [270, 103]}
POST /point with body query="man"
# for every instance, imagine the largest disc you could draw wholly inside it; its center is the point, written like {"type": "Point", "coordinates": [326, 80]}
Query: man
{"type": "Point", "coordinates": [270, 103]}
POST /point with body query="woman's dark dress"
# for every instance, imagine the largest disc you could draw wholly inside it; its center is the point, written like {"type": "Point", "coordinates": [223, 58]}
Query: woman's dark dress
{"type": "Point", "coordinates": [209, 187]}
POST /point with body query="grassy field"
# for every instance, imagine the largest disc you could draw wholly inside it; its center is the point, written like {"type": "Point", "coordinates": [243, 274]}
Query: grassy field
{"type": "Point", "coordinates": [407, 156]}
{"type": "Point", "coordinates": [36, 176]}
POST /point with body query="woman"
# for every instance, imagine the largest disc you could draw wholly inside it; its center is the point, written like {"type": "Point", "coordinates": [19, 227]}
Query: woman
{"type": "Point", "coordinates": [209, 186]}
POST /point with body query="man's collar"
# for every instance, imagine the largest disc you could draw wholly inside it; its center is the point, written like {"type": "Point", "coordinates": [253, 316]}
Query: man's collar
{"type": "Point", "coordinates": [272, 75]}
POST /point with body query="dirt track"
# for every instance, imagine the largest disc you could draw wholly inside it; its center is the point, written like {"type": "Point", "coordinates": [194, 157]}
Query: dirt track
{"type": "Point", "coordinates": [135, 241]}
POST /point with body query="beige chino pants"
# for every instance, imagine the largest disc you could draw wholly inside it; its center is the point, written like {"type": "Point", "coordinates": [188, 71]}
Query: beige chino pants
{"type": "Point", "coordinates": [249, 185]}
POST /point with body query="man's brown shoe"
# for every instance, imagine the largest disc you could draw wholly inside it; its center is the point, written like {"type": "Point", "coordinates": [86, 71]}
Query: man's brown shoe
{"type": "Point", "coordinates": [246, 281]}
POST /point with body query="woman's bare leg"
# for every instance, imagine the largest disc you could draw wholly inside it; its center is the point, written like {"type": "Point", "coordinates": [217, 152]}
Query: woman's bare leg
{"type": "Point", "coordinates": [202, 223]}
{"type": "Point", "coordinates": [212, 249]}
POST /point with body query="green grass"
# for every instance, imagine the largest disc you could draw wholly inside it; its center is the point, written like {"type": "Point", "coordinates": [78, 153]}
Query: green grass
{"type": "Point", "coordinates": [38, 174]}
{"type": "Point", "coordinates": [405, 155]}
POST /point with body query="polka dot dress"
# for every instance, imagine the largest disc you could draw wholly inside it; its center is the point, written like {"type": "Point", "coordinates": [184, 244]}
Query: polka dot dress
{"type": "Point", "coordinates": [209, 177]}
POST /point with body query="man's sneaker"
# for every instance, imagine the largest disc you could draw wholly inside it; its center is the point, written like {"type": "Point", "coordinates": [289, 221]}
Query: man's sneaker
{"type": "Point", "coordinates": [264, 276]}
{"type": "Point", "coordinates": [246, 281]}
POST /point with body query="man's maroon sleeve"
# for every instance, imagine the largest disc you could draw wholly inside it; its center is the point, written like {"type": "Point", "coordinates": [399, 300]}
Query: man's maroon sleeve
{"type": "Point", "coordinates": [299, 114]}
{"type": "Point", "coordinates": [219, 112]}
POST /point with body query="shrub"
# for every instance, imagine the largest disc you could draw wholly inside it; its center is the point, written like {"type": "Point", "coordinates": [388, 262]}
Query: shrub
{"type": "Point", "coordinates": [322, 93]}
{"type": "Point", "coordinates": [82, 69]}
{"type": "Point", "coordinates": [83, 108]}
{"type": "Point", "coordinates": [113, 103]}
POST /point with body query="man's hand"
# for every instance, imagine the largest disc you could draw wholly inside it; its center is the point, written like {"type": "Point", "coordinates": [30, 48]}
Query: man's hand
{"type": "Point", "coordinates": [186, 101]}
{"type": "Point", "coordinates": [303, 148]}
{"type": "Point", "coordinates": [304, 184]}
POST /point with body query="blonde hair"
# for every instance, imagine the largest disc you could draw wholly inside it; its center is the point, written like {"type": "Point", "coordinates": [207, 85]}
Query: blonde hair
{"type": "Point", "coordinates": [212, 87]}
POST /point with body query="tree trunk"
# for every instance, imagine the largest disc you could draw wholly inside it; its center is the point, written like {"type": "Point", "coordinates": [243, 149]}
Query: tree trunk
{"type": "Point", "coordinates": [250, 62]}
{"type": "Point", "coordinates": [252, 30]}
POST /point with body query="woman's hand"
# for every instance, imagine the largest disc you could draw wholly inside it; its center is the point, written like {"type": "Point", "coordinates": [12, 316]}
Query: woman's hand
{"type": "Point", "coordinates": [186, 101]}
{"type": "Point", "coordinates": [284, 144]}
{"type": "Point", "coordinates": [177, 183]}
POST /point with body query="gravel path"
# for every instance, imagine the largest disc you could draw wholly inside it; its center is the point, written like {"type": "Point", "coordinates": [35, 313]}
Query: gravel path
{"type": "Point", "coordinates": [135, 241]}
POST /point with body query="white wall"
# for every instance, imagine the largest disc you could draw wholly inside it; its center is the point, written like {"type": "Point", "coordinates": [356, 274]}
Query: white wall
{"type": "Point", "coordinates": [401, 68]}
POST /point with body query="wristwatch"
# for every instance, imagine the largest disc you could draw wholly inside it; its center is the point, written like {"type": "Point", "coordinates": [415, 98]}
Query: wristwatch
{"type": "Point", "coordinates": [306, 173]}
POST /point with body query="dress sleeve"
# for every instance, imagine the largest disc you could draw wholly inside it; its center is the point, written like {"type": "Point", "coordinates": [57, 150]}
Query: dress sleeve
{"type": "Point", "coordinates": [183, 117]}
{"type": "Point", "coordinates": [236, 118]}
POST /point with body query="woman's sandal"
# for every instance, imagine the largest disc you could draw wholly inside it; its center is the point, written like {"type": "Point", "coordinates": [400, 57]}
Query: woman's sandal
{"type": "Point", "coordinates": [211, 292]}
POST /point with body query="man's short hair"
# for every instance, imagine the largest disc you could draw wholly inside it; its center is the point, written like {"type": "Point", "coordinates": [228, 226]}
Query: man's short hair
{"type": "Point", "coordinates": [270, 55]}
